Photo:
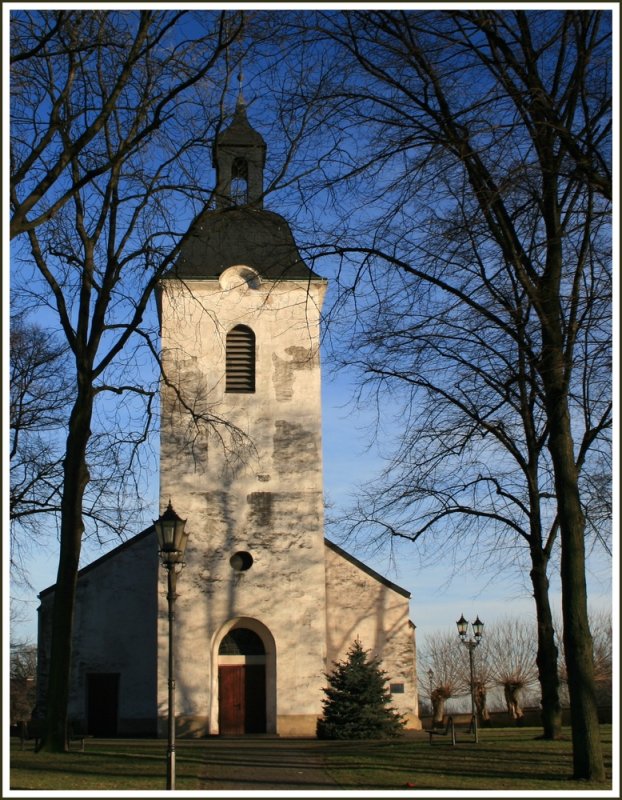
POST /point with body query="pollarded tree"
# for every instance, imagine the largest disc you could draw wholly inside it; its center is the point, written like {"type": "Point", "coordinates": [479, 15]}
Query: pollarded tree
{"type": "Point", "coordinates": [357, 703]}
{"type": "Point", "coordinates": [442, 671]}
{"type": "Point", "coordinates": [602, 636]}
{"type": "Point", "coordinates": [512, 644]}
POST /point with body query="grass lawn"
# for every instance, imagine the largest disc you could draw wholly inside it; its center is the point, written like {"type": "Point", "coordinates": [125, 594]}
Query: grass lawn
{"type": "Point", "coordinates": [130, 764]}
{"type": "Point", "coordinates": [504, 759]}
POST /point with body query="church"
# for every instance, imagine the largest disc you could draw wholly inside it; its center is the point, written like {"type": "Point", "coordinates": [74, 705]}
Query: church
{"type": "Point", "coordinates": [265, 603]}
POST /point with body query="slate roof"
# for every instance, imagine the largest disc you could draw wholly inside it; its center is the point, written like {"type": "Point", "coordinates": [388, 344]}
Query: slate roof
{"type": "Point", "coordinates": [253, 237]}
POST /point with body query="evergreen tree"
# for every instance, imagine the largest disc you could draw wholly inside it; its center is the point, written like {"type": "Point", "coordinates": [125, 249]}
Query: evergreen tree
{"type": "Point", "coordinates": [357, 700]}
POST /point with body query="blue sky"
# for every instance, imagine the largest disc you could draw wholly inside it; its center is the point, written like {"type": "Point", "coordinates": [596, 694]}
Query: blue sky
{"type": "Point", "coordinates": [439, 594]}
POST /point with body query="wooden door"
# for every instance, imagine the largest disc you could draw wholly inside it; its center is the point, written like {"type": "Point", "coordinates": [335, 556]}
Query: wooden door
{"type": "Point", "coordinates": [242, 699]}
{"type": "Point", "coordinates": [231, 699]}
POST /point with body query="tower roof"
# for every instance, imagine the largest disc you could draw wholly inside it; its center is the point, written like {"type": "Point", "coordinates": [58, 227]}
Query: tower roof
{"type": "Point", "coordinates": [239, 134]}
{"type": "Point", "coordinates": [238, 231]}
{"type": "Point", "coordinates": [250, 236]}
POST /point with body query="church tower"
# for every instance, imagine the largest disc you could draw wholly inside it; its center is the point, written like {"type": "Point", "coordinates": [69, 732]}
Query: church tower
{"type": "Point", "coordinates": [241, 460]}
{"type": "Point", "coordinates": [265, 604]}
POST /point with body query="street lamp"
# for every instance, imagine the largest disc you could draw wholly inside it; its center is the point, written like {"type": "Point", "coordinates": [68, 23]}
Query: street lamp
{"type": "Point", "coordinates": [471, 644]}
{"type": "Point", "coordinates": [172, 538]}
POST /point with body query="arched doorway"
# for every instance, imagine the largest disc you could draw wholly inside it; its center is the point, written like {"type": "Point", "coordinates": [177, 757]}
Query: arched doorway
{"type": "Point", "coordinates": [241, 683]}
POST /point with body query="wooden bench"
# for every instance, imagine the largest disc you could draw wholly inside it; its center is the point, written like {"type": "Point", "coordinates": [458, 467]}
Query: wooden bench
{"type": "Point", "coordinates": [35, 729]}
{"type": "Point", "coordinates": [445, 729]}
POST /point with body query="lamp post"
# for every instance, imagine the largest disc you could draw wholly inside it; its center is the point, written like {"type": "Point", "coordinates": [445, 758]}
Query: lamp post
{"type": "Point", "coordinates": [431, 685]}
{"type": "Point", "coordinates": [471, 644]}
{"type": "Point", "coordinates": [172, 538]}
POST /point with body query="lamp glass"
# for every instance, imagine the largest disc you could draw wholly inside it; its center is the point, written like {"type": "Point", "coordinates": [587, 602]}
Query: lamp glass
{"type": "Point", "coordinates": [478, 627]}
{"type": "Point", "coordinates": [462, 624]}
{"type": "Point", "coordinates": [166, 535]}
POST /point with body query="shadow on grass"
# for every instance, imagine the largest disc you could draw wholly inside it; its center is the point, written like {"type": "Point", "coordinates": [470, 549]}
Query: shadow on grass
{"type": "Point", "coordinates": [514, 760]}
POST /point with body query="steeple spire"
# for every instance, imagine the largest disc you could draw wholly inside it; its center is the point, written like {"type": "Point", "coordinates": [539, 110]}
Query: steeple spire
{"type": "Point", "coordinates": [241, 102]}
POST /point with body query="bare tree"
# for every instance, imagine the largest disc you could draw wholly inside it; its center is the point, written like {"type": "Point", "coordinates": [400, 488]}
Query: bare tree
{"type": "Point", "coordinates": [602, 636]}
{"type": "Point", "coordinates": [23, 682]}
{"type": "Point", "coordinates": [505, 657]}
{"type": "Point", "coordinates": [483, 139]}
{"type": "Point", "coordinates": [22, 675]}
{"type": "Point", "coordinates": [483, 676]}
{"type": "Point", "coordinates": [499, 489]}
{"type": "Point", "coordinates": [110, 118]}
{"type": "Point", "coordinates": [54, 56]}
{"type": "Point", "coordinates": [114, 115]}
{"type": "Point", "coordinates": [39, 398]}
{"type": "Point", "coordinates": [444, 666]}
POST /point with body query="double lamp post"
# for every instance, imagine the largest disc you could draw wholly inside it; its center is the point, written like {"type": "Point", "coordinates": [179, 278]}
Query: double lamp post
{"type": "Point", "coordinates": [471, 644]}
{"type": "Point", "coordinates": [172, 539]}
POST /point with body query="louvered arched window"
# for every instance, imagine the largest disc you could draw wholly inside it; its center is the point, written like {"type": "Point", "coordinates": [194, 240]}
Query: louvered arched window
{"type": "Point", "coordinates": [240, 360]}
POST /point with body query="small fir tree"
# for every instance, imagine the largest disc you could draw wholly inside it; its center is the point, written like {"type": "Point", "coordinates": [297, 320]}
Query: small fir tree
{"type": "Point", "coordinates": [357, 703]}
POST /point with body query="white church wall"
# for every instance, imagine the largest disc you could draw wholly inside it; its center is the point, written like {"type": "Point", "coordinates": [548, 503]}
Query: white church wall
{"type": "Point", "coordinates": [263, 496]}
{"type": "Point", "coordinates": [361, 606]}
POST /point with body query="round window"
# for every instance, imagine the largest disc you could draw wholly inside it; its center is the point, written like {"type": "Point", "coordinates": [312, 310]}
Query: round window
{"type": "Point", "coordinates": [241, 561]}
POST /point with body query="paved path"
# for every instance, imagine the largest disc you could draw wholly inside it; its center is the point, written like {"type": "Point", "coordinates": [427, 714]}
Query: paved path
{"type": "Point", "coordinates": [253, 763]}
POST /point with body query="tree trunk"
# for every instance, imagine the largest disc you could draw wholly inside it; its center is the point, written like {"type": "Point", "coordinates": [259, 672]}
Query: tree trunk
{"type": "Point", "coordinates": [511, 692]}
{"type": "Point", "coordinates": [586, 746]}
{"type": "Point", "coordinates": [76, 477]}
{"type": "Point", "coordinates": [555, 370]}
{"type": "Point", "coordinates": [438, 706]}
{"type": "Point", "coordinates": [546, 658]}
{"type": "Point", "coordinates": [481, 700]}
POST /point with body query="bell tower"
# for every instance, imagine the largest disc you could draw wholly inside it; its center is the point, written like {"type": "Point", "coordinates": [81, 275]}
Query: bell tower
{"type": "Point", "coordinates": [239, 159]}
{"type": "Point", "coordinates": [241, 458]}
